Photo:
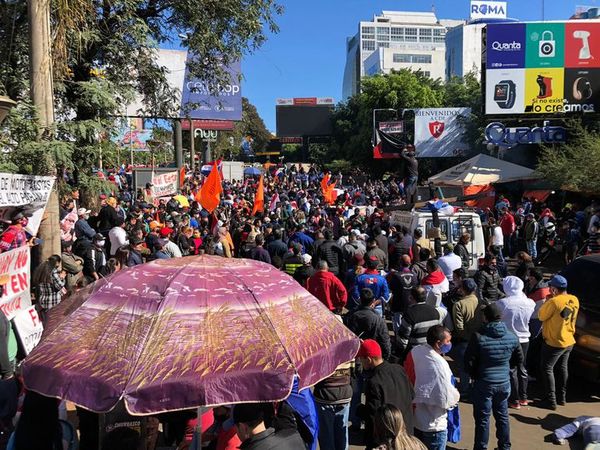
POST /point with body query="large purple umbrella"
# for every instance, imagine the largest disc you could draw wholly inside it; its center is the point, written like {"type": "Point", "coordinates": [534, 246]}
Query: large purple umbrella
{"type": "Point", "coordinates": [187, 332]}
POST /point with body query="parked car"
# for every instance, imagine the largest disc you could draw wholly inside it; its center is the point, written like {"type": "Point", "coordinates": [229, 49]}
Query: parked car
{"type": "Point", "coordinates": [583, 276]}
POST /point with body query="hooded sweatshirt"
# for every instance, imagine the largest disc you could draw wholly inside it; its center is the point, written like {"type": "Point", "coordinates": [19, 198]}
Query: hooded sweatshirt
{"type": "Point", "coordinates": [516, 308]}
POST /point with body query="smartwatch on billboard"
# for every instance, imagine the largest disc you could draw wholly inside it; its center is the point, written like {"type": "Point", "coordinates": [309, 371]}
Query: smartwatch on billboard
{"type": "Point", "coordinates": [505, 93]}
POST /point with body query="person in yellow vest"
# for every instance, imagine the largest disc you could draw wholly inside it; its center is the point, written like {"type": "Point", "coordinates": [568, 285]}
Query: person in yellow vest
{"type": "Point", "coordinates": [558, 315]}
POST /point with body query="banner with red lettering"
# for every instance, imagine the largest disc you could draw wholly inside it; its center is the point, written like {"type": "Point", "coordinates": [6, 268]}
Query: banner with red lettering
{"type": "Point", "coordinates": [15, 281]}
{"type": "Point", "coordinates": [165, 184]}
{"type": "Point", "coordinates": [28, 194]}
{"type": "Point", "coordinates": [29, 328]}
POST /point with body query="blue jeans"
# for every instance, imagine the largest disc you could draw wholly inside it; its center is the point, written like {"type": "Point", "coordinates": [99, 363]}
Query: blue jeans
{"type": "Point", "coordinates": [555, 358]}
{"type": "Point", "coordinates": [491, 398]}
{"type": "Point", "coordinates": [532, 248]}
{"type": "Point", "coordinates": [465, 379]}
{"type": "Point", "coordinates": [433, 440]}
{"type": "Point", "coordinates": [333, 426]}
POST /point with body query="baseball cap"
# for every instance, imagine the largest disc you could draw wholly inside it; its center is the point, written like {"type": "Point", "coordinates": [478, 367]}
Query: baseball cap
{"type": "Point", "coordinates": [369, 348]}
{"type": "Point", "coordinates": [306, 258]}
{"type": "Point", "coordinates": [83, 211]}
{"type": "Point", "coordinates": [166, 231]}
{"type": "Point", "coordinates": [558, 281]}
{"type": "Point", "coordinates": [372, 262]}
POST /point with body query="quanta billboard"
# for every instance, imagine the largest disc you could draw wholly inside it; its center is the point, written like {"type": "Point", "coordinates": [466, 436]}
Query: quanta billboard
{"type": "Point", "coordinates": [542, 68]}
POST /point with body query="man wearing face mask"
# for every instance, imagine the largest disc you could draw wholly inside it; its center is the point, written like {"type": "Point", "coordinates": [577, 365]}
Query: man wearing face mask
{"type": "Point", "coordinates": [94, 260]}
{"type": "Point", "coordinates": [82, 227]}
{"type": "Point", "coordinates": [15, 235]}
{"type": "Point", "coordinates": [488, 280]}
{"type": "Point", "coordinates": [434, 392]}
{"type": "Point", "coordinates": [558, 316]}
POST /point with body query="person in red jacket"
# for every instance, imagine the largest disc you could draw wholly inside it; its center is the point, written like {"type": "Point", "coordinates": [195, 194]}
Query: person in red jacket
{"type": "Point", "coordinates": [328, 288]}
{"type": "Point", "coordinates": [508, 225]}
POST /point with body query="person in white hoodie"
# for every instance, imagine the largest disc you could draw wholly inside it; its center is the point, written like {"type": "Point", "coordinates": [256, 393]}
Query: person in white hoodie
{"type": "Point", "coordinates": [517, 310]}
{"type": "Point", "coordinates": [434, 392]}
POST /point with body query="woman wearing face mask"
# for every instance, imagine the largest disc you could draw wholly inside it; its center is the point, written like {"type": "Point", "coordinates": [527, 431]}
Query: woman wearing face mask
{"type": "Point", "coordinates": [434, 392]}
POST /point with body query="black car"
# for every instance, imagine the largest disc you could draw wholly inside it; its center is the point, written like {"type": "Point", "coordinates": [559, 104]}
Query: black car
{"type": "Point", "coordinates": [583, 276]}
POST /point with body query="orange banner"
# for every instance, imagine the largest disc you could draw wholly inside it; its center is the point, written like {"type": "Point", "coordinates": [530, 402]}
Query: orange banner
{"type": "Point", "coordinates": [259, 197]}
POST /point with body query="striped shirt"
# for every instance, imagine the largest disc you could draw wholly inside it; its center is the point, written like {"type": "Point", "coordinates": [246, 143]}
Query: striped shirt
{"type": "Point", "coordinates": [415, 324]}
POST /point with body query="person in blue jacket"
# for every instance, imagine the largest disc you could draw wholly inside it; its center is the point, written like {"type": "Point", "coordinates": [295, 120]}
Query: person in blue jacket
{"type": "Point", "coordinates": [373, 280]}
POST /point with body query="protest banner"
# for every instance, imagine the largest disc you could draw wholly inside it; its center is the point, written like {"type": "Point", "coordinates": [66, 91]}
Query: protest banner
{"type": "Point", "coordinates": [165, 184]}
{"type": "Point", "coordinates": [14, 281]}
{"type": "Point", "coordinates": [24, 193]}
{"type": "Point", "coordinates": [29, 328]}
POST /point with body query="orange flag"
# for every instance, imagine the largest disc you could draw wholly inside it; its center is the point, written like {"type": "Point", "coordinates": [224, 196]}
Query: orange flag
{"type": "Point", "coordinates": [182, 176]}
{"type": "Point", "coordinates": [259, 197]}
{"type": "Point", "coordinates": [331, 194]}
{"type": "Point", "coordinates": [324, 184]}
{"type": "Point", "coordinates": [209, 195]}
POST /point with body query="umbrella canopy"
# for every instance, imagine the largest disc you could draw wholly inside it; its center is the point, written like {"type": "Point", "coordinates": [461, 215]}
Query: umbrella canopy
{"type": "Point", "coordinates": [182, 200]}
{"type": "Point", "coordinates": [187, 332]}
{"type": "Point", "coordinates": [481, 170]}
{"type": "Point", "coordinates": [252, 172]}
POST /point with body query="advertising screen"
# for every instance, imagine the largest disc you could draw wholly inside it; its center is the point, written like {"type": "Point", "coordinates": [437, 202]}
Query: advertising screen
{"type": "Point", "coordinates": [303, 120]}
{"type": "Point", "coordinates": [542, 68]}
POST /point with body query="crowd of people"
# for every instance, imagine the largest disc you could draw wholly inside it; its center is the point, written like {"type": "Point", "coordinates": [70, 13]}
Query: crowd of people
{"type": "Point", "coordinates": [401, 392]}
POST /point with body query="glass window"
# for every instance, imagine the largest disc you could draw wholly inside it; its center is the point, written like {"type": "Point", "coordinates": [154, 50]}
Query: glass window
{"type": "Point", "coordinates": [427, 73]}
{"type": "Point", "coordinates": [368, 45]}
{"type": "Point", "coordinates": [383, 45]}
{"type": "Point", "coordinates": [412, 59]}
{"type": "Point", "coordinates": [383, 34]}
{"type": "Point", "coordinates": [397, 34]}
{"type": "Point", "coordinates": [368, 32]}
{"type": "Point", "coordinates": [410, 34]}
{"type": "Point", "coordinates": [401, 58]}
{"type": "Point", "coordinates": [439, 35]}
{"type": "Point", "coordinates": [459, 227]}
{"type": "Point", "coordinates": [425, 35]}
{"type": "Point", "coordinates": [443, 229]}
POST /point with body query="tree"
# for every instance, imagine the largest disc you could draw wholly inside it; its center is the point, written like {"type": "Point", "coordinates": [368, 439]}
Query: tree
{"type": "Point", "coordinates": [105, 54]}
{"type": "Point", "coordinates": [576, 165]}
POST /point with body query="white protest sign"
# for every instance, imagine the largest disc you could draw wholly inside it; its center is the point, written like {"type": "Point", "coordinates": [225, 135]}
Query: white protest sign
{"type": "Point", "coordinates": [14, 281]}
{"type": "Point", "coordinates": [26, 193]}
{"type": "Point", "coordinates": [29, 328]}
{"type": "Point", "coordinates": [165, 184]}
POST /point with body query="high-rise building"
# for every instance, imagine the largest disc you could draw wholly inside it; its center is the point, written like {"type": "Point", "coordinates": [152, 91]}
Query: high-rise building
{"type": "Point", "coordinates": [396, 40]}
{"type": "Point", "coordinates": [463, 50]}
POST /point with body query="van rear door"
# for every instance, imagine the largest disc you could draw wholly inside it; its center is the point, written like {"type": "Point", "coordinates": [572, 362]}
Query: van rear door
{"type": "Point", "coordinates": [462, 224]}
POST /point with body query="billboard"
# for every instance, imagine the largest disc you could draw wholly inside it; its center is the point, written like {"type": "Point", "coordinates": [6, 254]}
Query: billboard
{"type": "Point", "coordinates": [542, 67]}
{"type": "Point", "coordinates": [192, 97]}
{"type": "Point", "coordinates": [440, 132]}
{"type": "Point", "coordinates": [488, 10]}
{"type": "Point", "coordinates": [308, 116]}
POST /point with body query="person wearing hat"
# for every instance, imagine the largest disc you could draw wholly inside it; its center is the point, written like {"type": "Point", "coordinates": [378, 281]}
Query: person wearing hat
{"type": "Point", "coordinates": [450, 261]}
{"type": "Point", "coordinates": [373, 280]}
{"type": "Point", "coordinates": [305, 271]}
{"type": "Point", "coordinates": [249, 419]}
{"type": "Point", "coordinates": [558, 315]}
{"type": "Point", "coordinates": [388, 384]}
{"type": "Point", "coordinates": [83, 229]}
{"type": "Point", "coordinates": [135, 257]}
{"type": "Point", "coordinates": [467, 318]}
{"type": "Point", "coordinates": [490, 354]}
{"type": "Point", "coordinates": [168, 246]}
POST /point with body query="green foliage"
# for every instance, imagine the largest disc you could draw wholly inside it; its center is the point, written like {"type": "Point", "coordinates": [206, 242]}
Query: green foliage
{"type": "Point", "coordinates": [574, 166]}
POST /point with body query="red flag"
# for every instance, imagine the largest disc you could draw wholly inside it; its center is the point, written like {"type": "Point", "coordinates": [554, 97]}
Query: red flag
{"type": "Point", "coordinates": [259, 197]}
{"type": "Point", "coordinates": [273, 202]}
{"type": "Point", "coordinates": [182, 176]}
{"type": "Point", "coordinates": [209, 195]}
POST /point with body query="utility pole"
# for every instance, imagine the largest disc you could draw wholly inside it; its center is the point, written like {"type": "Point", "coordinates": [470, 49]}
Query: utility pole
{"type": "Point", "coordinates": [42, 96]}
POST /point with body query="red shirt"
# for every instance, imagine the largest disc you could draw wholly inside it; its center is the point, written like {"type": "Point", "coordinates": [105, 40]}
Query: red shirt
{"type": "Point", "coordinates": [507, 223]}
{"type": "Point", "coordinates": [329, 289]}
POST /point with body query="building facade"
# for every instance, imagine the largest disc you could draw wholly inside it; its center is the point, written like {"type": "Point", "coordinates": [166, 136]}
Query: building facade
{"type": "Point", "coordinates": [394, 41]}
{"type": "Point", "coordinates": [463, 50]}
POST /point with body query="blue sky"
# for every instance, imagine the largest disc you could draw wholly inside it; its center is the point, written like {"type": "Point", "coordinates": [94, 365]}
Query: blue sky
{"type": "Point", "coordinates": [307, 57]}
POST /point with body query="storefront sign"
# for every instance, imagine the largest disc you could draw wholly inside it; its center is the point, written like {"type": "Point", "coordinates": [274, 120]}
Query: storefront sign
{"type": "Point", "coordinates": [488, 10]}
{"type": "Point", "coordinates": [498, 134]}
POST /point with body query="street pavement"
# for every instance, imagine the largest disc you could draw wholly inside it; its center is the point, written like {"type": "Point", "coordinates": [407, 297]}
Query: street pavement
{"type": "Point", "coordinates": [530, 427]}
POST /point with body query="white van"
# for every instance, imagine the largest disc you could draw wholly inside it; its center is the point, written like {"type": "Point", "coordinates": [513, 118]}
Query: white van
{"type": "Point", "coordinates": [451, 228]}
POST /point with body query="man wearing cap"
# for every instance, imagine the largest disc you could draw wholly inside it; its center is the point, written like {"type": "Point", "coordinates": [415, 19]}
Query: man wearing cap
{"type": "Point", "coordinates": [169, 247]}
{"type": "Point", "coordinates": [328, 288]}
{"type": "Point", "coordinates": [135, 252]}
{"type": "Point", "coordinates": [82, 227]}
{"type": "Point", "coordinates": [249, 419]}
{"type": "Point", "coordinates": [558, 316]}
{"type": "Point", "coordinates": [373, 280]}
{"type": "Point", "coordinates": [387, 384]}
{"type": "Point", "coordinates": [490, 354]}
{"type": "Point", "coordinates": [450, 261]}
{"type": "Point", "coordinates": [467, 318]}
{"type": "Point", "coordinates": [305, 271]}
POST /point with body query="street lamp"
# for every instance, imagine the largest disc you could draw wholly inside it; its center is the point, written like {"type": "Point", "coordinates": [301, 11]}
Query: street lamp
{"type": "Point", "coordinates": [6, 104]}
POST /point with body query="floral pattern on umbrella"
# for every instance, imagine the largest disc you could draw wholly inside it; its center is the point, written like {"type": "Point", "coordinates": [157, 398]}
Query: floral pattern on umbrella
{"type": "Point", "coordinates": [187, 332]}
